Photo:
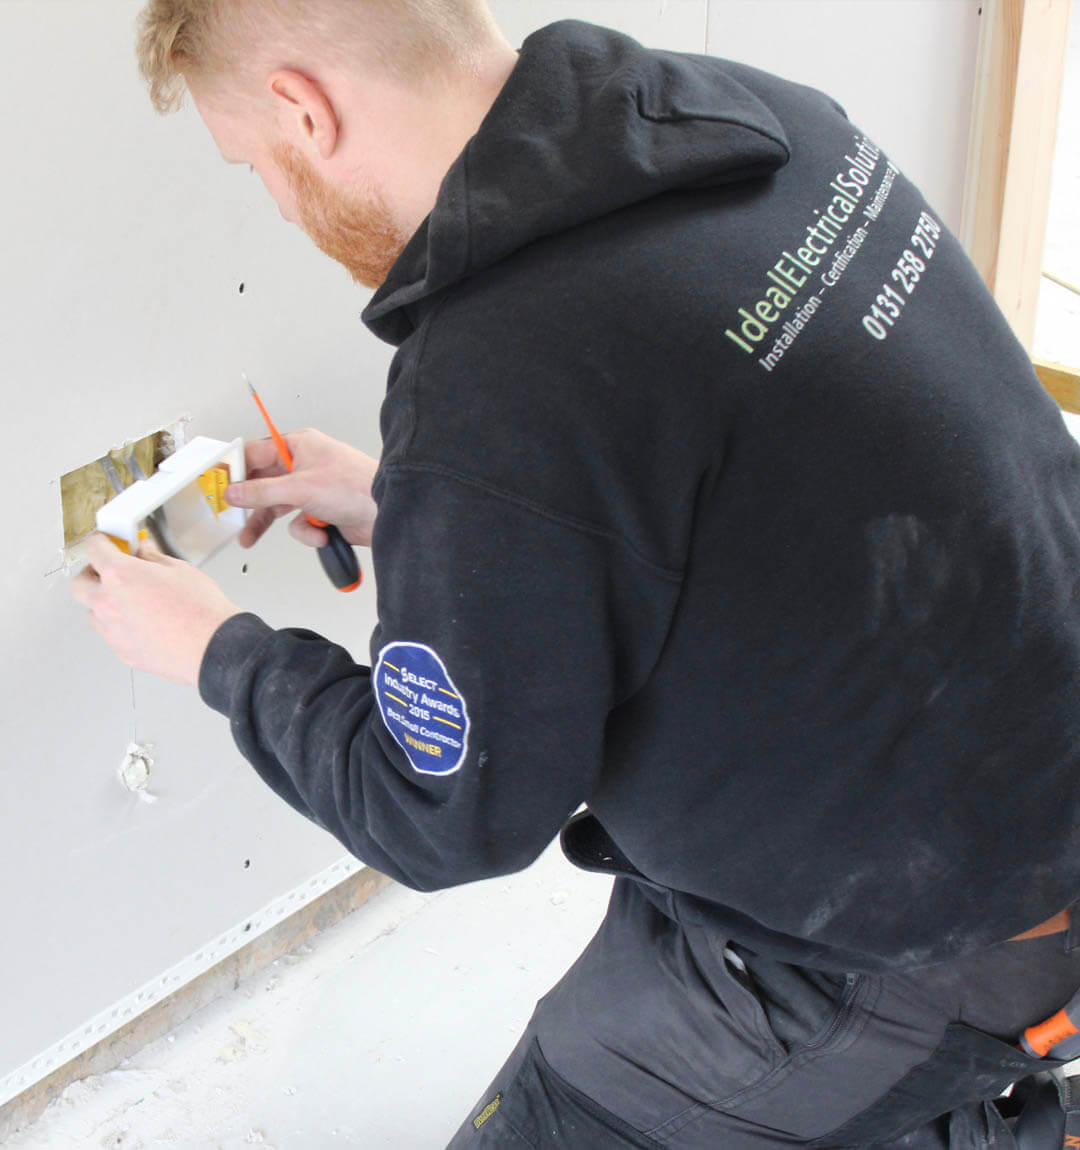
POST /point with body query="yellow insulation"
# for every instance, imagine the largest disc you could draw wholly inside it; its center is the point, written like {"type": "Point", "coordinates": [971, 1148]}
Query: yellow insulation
{"type": "Point", "coordinates": [84, 491]}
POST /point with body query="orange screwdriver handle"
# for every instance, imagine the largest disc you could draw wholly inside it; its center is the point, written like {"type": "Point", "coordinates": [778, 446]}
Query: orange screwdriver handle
{"type": "Point", "coordinates": [1057, 1036]}
{"type": "Point", "coordinates": [337, 557]}
{"type": "Point", "coordinates": [339, 561]}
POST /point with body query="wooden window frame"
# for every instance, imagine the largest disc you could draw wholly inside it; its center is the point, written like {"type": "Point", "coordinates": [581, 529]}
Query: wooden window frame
{"type": "Point", "coordinates": [1062, 382]}
{"type": "Point", "coordinates": [1020, 70]}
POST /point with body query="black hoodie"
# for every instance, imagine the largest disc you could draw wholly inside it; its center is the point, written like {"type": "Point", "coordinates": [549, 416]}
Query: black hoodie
{"type": "Point", "coordinates": [716, 494]}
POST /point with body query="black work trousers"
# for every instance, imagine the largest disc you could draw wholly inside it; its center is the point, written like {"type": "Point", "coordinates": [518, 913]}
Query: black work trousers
{"type": "Point", "coordinates": [662, 1036]}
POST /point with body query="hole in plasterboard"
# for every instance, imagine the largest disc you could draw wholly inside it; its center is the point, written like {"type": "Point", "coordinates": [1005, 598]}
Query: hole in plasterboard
{"type": "Point", "coordinates": [244, 569]}
{"type": "Point", "coordinates": [241, 289]}
{"type": "Point", "coordinates": [84, 491]}
{"type": "Point", "coordinates": [247, 864]}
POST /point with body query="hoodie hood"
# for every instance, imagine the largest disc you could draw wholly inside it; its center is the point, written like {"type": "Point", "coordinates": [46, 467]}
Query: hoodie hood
{"type": "Point", "coordinates": [589, 122]}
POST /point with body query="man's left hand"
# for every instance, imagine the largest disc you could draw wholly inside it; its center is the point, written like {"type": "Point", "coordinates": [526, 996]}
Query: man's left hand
{"type": "Point", "coordinates": [157, 613]}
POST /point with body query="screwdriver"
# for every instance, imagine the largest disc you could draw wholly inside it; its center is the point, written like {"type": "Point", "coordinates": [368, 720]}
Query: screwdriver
{"type": "Point", "coordinates": [337, 557]}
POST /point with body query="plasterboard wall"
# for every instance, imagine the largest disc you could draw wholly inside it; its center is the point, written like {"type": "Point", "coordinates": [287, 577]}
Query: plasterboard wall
{"type": "Point", "coordinates": [125, 241]}
{"type": "Point", "coordinates": [904, 70]}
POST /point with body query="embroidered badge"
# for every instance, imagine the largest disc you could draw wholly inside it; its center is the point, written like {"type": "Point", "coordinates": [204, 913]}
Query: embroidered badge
{"type": "Point", "coordinates": [421, 707]}
{"type": "Point", "coordinates": [487, 1112]}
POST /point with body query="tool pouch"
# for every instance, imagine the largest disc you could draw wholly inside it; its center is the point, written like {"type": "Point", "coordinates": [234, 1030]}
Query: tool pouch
{"type": "Point", "coordinates": [1045, 1110]}
{"type": "Point", "coordinates": [967, 1064]}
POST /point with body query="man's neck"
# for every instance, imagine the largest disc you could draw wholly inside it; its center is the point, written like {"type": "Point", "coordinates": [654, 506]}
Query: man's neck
{"type": "Point", "coordinates": [444, 125]}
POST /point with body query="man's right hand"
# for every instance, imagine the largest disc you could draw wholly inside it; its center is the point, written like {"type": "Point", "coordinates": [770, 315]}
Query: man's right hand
{"type": "Point", "coordinates": [330, 481]}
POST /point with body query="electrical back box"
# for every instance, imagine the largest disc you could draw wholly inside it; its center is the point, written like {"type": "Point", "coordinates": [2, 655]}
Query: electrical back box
{"type": "Point", "coordinates": [188, 488]}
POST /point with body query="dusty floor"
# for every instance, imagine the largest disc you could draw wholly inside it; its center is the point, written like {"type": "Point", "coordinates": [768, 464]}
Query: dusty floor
{"type": "Point", "coordinates": [383, 1033]}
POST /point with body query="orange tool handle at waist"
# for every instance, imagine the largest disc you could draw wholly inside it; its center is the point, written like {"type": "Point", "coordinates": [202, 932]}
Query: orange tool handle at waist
{"type": "Point", "coordinates": [1058, 1036]}
{"type": "Point", "coordinates": [1043, 1037]}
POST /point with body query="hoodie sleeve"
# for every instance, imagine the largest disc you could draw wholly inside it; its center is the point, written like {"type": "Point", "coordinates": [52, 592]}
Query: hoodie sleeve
{"type": "Point", "coordinates": [507, 635]}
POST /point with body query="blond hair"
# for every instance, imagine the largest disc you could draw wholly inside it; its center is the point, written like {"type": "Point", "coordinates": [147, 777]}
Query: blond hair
{"type": "Point", "coordinates": [215, 39]}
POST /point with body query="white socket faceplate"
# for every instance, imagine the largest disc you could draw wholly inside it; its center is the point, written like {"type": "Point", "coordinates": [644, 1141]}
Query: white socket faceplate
{"type": "Point", "coordinates": [191, 527]}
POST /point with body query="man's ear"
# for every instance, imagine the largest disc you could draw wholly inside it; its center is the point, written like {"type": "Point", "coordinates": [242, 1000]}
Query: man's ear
{"type": "Point", "coordinates": [304, 113]}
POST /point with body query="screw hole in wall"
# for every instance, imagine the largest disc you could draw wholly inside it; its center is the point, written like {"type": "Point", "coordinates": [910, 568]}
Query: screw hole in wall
{"type": "Point", "coordinates": [247, 864]}
{"type": "Point", "coordinates": [243, 570]}
{"type": "Point", "coordinates": [241, 289]}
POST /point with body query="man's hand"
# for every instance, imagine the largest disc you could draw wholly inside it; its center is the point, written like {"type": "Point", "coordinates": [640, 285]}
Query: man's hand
{"type": "Point", "coordinates": [330, 480]}
{"type": "Point", "coordinates": [158, 614]}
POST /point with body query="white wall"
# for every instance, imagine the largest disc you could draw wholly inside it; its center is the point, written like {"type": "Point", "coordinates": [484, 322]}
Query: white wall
{"type": "Point", "coordinates": [124, 241]}
{"type": "Point", "coordinates": [904, 70]}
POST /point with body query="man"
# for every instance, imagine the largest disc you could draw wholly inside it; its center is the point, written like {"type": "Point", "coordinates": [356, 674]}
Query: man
{"type": "Point", "coordinates": [715, 494]}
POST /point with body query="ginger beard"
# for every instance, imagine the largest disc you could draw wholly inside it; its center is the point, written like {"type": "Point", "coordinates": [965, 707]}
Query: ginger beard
{"type": "Point", "coordinates": [357, 231]}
